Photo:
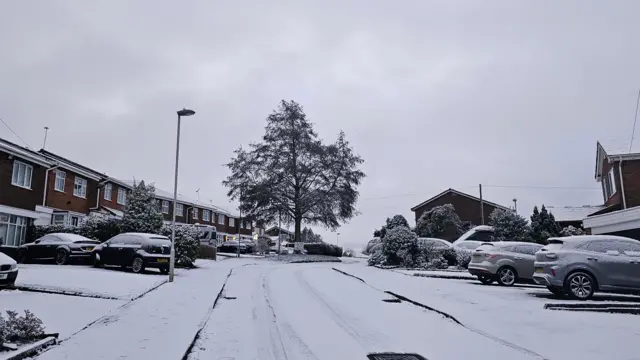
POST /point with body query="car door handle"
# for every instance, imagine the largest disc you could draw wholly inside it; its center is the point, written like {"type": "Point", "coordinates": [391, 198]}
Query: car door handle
{"type": "Point", "coordinates": [518, 258]}
{"type": "Point", "coordinates": [592, 259]}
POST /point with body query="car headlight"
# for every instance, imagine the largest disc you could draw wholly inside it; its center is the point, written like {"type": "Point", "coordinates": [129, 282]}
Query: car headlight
{"type": "Point", "coordinates": [13, 267]}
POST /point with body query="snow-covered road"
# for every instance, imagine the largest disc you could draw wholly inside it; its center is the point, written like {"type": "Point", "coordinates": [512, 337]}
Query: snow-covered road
{"type": "Point", "coordinates": [310, 311]}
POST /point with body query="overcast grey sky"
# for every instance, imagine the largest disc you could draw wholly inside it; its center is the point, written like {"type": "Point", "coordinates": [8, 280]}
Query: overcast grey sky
{"type": "Point", "coordinates": [432, 94]}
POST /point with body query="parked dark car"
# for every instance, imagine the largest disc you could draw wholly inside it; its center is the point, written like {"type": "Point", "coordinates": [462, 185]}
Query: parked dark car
{"type": "Point", "coordinates": [8, 271]}
{"type": "Point", "coordinates": [231, 246]}
{"type": "Point", "coordinates": [58, 246]}
{"type": "Point", "coordinates": [135, 250]}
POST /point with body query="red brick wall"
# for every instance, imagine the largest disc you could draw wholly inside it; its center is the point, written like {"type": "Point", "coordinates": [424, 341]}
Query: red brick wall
{"type": "Point", "coordinates": [113, 203]}
{"type": "Point", "coordinates": [467, 209]}
{"type": "Point", "coordinates": [66, 200]}
{"type": "Point", "coordinates": [631, 177]}
{"type": "Point", "coordinates": [15, 196]}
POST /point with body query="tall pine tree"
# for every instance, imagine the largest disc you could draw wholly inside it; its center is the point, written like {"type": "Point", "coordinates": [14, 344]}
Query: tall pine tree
{"type": "Point", "coordinates": [543, 225]}
{"type": "Point", "coordinates": [141, 213]}
{"type": "Point", "coordinates": [291, 172]}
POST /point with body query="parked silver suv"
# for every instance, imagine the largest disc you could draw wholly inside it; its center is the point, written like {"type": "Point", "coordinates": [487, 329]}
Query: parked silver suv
{"type": "Point", "coordinates": [578, 266]}
{"type": "Point", "coordinates": [507, 262]}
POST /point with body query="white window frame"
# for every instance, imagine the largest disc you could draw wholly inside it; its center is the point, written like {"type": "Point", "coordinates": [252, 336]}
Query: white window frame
{"type": "Point", "coordinates": [61, 178]}
{"type": "Point", "coordinates": [108, 192]}
{"type": "Point", "coordinates": [205, 215]}
{"type": "Point", "coordinates": [16, 229]}
{"type": "Point", "coordinates": [61, 219]}
{"type": "Point", "coordinates": [609, 184]}
{"type": "Point", "coordinates": [179, 210]}
{"type": "Point", "coordinates": [122, 196]}
{"type": "Point", "coordinates": [221, 219]}
{"type": "Point", "coordinates": [232, 221]}
{"type": "Point", "coordinates": [27, 174]}
{"type": "Point", "coordinates": [194, 213]}
{"type": "Point", "coordinates": [165, 206]}
{"type": "Point", "coordinates": [80, 187]}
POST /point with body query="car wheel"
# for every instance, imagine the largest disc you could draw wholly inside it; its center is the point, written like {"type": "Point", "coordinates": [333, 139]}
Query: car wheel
{"type": "Point", "coordinates": [485, 280]}
{"type": "Point", "coordinates": [96, 260]}
{"type": "Point", "coordinates": [507, 276]}
{"type": "Point", "coordinates": [138, 265]}
{"type": "Point", "coordinates": [22, 257]}
{"type": "Point", "coordinates": [556, 290]}
{"type": "Point", "coordinates": [580, 285]}
{"type": "Point", "coordinates": [62, 257]}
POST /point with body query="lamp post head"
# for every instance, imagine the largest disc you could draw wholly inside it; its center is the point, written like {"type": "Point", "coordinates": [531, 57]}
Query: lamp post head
{"type": "Point", "coordinates": [186, 112]}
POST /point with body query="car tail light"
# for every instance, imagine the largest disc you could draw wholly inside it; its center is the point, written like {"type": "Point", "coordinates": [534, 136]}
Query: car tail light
{"type": "Point", "coordinates": [551, 255]}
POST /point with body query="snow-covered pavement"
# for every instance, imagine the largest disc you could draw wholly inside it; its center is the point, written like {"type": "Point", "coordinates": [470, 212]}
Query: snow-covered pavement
{"type": "Point", "coordinates": [159, 325]}
{"type": "Point", "coordinates": [309, 311]}
{"type": "Point", "coordinates": [516, 315]}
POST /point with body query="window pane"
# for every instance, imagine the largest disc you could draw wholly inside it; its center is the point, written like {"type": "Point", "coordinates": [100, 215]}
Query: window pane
{"type": "Point", "coordinates": [14, 176]}
{"type": "Point", "coordinates": [28, 170]}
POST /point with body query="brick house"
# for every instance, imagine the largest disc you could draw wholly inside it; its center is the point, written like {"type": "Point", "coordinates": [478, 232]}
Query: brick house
{"type": "Point", "coordinates": [71, 190]}
{"type": "Point", "coordinates": [22, 184]}
{"type": "Point", "coordinates": [112, 198]}
{"type": "Point", "coordinates": [467, 206]}
{"type": "Point", "coordinates": [618, 171]}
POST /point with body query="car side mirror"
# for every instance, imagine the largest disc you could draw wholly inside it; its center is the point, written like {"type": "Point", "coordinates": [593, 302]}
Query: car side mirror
{"type": "Point", "coordinates": [37, 242]}
{"type": "Point", "coordinates": [105, 244]}
{"type": "Point", "coordinates": [613, 252]}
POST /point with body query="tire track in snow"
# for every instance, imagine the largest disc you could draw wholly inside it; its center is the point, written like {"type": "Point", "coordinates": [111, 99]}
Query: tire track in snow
{"type": "Point", "coordinates": [452, 318]}
{"type": "Point", "coordinates": [278, 327]}
{"type": "Point", "coordinates": [339, 318]}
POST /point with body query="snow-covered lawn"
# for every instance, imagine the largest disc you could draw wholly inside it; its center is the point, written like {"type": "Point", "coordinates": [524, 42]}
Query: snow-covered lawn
{"type": "Point", "coordinates": [59, 313]}
{"type": "Point", "coordinates": [89, 281]}
{"type": "Point", "coordinates": [516, 315]}
{"type": "Point", "coordinates": [437, 273]}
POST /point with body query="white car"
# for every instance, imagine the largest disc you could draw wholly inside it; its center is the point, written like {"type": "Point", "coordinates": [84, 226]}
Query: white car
{"type": "Point", "coordinates": [8, 271]}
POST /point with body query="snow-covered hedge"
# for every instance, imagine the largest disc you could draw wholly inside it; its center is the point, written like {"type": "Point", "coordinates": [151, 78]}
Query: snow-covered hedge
{"type": "Point", "coordinates": [571, 231]}
{"type": "Point", "coordinates": [187, 244]}
{"type": "Point", "coordinates": [349, 253]}
{"type": "Point", "coordinates": [323, 249]}
{"type": "Point", "coordinates": [94, 227]}
{"type": "Point", "coordinates": [20, 329]}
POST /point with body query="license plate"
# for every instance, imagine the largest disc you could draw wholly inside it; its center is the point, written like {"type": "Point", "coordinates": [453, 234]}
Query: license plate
{"type": "Point", "coordinates": [163, 260]}
{"type": "Point", "coordinates": [539, 270]}
{"type": "Point", "coordinates": [88, 249]}
{"type": "Point", "coordinates": [3, 276]}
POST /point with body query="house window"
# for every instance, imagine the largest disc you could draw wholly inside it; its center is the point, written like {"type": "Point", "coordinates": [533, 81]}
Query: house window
{"type": "Point", "coordinates": [205, 215]}
{"type": "Point", "coordinates": [60, 177]}
{"type": "Point", "coordinates": [220, 219]}
{"type": "Point", "coordinates": [232, 222]}
{"type": "Point", "coordinates": [108, 189]}
{"type": "Point", "coordinates": [609, 184]}
{"type": "Point", "coordinates": [75, 221]}
{"type": "Point", "coordinates": [195, 213]}
{"type": "Point", "coordinates": [122, 196]}
{"type": "Point", "coordinates": [59, 219]}
{"type": "Point", "coordinates": [165, 207]}
{"type": "Point", "coordinates": [13, 230]}
{"type": "Point", "coordinates": [21, 174]}
{"type": "Point", "coordinates": [244, 224]}
{"type": "Point", "coordinates": [80, 187]}
{"type": "Point", "coordinates": [179, 210]}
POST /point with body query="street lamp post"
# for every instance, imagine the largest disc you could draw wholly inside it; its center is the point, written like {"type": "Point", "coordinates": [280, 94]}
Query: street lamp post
{"type": "Point", "coordinates": [337, 238]}
{"type": "Point", "coordinates": [172, 260]}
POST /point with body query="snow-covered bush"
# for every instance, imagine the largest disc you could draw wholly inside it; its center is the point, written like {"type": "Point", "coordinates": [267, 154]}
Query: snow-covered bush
{"type": "Point", "coordinates": [323, 249]}
{"type": "Point", "coordinates": [509, 226]}
{"type": "Point", "coordinates": [263, 244]}
{"type": "Point", "coordinates": [349, 253]}
{"type": "Point", "coordinates": [187, 244]}
{"type": "Point", "coordinates": [99, 228]}
{"type": "Point", "coordinates": [543, 225]}
{"type": "Point", "coordinates": [377, 256]}
{"type": "Point", "coordinates": [463, 257]}
{"type": "Point", "coordinates": [368, 248]}
{"type": "Point", "coordinates": [432, 257]}
{"type": "Point", "coordinates": [141, 213]}
{"type": "Point", "coordinates": [400, 246]}
{"type": "Point", "coordinates": [20, 329]}
{"type": "Point", "coordinates": [571, 231]}
{"type": "Point", "coordinates": [440, 222]}
{"type": "Point", "coordinates": [396, 221]}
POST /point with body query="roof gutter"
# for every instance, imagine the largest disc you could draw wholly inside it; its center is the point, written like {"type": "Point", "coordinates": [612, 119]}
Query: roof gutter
{"type": "Point", "coordinates": [46, 184]}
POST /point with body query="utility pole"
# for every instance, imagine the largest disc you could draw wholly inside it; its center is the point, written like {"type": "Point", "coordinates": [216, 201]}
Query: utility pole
{"type": "Point", "coordinates": [46, 130]}
{"type": "Point", "coordinates": [481, 205]}
{"type": "Point", "coordinates": [515, 205]}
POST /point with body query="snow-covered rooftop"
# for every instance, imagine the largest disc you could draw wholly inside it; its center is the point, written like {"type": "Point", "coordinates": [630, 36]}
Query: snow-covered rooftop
{"type": "Point", "coordinates": [573, 213]}
{"type": "Point", "coordinates": [620, 146]}
{"type": "Point", "coordinates": [167, 195]}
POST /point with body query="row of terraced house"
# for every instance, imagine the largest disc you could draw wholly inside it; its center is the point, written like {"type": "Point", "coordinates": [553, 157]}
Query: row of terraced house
{"type": "Point", "coordinates": [40, 188]}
